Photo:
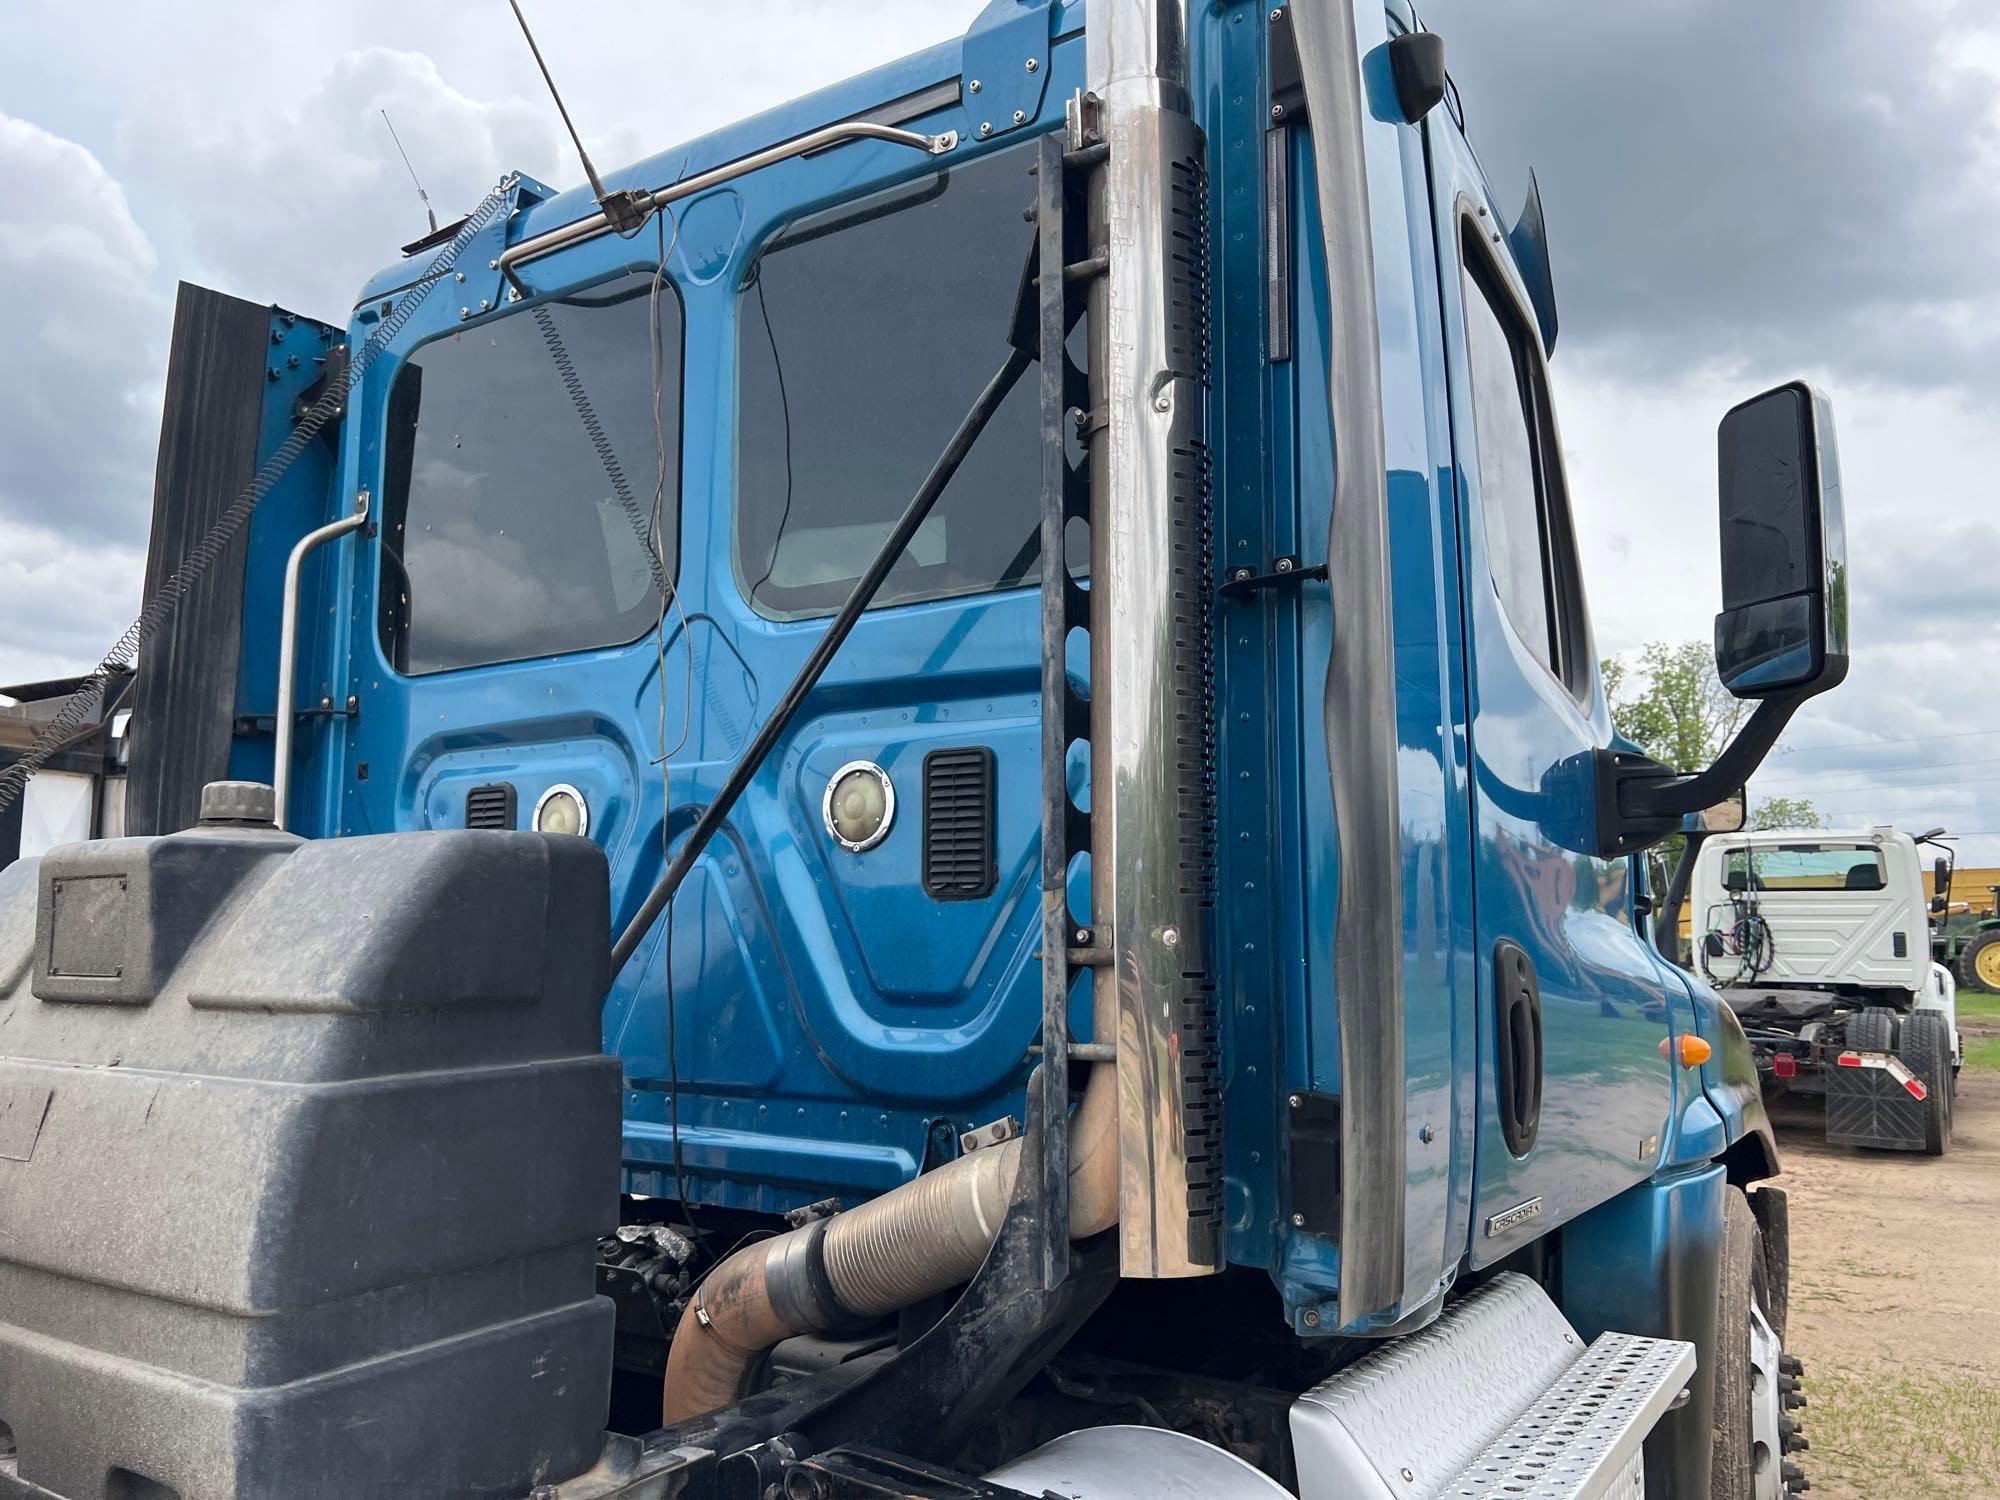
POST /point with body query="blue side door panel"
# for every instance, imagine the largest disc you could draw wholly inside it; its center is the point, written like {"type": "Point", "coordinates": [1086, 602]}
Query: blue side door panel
{"type": "Point", "coordinates": [814, 1023]}
{"type": "Point", "coordinates": [1606, 1089]}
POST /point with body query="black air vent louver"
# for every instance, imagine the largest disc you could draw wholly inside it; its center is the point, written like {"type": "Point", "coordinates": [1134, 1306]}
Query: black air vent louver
{"type": "Point", "coordinates": [958, 824]}
{"type": "Point", "coordinates": [491, 806]}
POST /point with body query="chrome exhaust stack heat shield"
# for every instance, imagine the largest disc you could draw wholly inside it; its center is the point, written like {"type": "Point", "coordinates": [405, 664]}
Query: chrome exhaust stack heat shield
{"type": "Point", "coordinates": [1152, 662]}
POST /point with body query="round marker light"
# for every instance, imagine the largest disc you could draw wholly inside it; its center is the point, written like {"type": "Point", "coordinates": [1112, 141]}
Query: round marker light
{"type": "Point", "coordinates": [860, 804]}
{"type": "Point", "coordinates": [561, 809]}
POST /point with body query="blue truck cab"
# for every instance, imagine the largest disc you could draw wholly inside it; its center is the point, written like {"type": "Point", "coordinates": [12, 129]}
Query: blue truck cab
{"type": "Point", "coordinates": [1038, 586]}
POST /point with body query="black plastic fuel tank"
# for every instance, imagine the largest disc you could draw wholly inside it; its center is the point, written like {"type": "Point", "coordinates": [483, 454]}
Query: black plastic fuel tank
{"type": "Point", "coordinates": [304, 1149]}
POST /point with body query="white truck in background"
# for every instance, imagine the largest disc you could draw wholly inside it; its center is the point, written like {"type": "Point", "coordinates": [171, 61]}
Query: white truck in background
{"type": "Point", "coordinates": [1820, 942]}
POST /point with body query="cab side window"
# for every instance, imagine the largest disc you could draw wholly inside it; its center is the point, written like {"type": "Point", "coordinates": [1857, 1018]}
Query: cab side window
{"type": "Point", "coordinates": [508, 531]}
{"type": "Point", "coordinates": [1529, 543]}
{"type": "Point", "coordinates": [865, 333]}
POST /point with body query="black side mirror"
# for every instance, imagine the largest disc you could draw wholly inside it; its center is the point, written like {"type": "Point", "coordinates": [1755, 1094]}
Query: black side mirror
{"type": "Point", "coordinates": [1782, 633]}
{"type": "Point", "coordinates": [1783, 626]}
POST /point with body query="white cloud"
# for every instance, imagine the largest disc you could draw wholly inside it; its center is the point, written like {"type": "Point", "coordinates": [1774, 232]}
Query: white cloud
{"type": "Point", "coordinates": [300, 204]}
{"type": "Point", "coordinates": [62, 600]}
{"type": "Point", "coordinates": [83, 333]}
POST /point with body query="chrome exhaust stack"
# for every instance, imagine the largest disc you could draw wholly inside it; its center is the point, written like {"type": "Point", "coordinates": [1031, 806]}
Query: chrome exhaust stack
{"type": "Point", "coordinates": [1152, 661]}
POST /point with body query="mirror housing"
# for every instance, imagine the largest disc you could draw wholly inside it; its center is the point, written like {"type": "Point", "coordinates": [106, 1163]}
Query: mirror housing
{"type": "Point", "coordinates": [1782, 633]}
{"type": "Point", "coordinates": [1783, 626]}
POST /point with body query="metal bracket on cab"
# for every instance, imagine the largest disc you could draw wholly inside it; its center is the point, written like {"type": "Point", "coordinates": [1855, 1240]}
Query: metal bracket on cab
{"type": "Point", "coordinates": [1006, 1128]}
{"type": "Point", "coordinates": [477, 277]}
{"type": "Point", "coordinates": [1313, 1139]}
{"type": "Point", "coordinates": [326, 708]}
{"type": "Point", "coordinates": [1242, 582]}
{"type": "Point", "coordinates": [1286, 108]}
{"type": "Point", "coordinates": [1006, 66]}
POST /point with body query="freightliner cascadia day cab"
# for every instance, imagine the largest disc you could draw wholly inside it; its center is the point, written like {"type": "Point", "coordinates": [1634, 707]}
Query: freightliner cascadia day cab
{"type": "Point", "coordinates": [943, 825]}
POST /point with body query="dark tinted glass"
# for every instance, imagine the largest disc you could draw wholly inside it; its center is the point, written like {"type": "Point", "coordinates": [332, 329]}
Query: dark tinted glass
{"type": "Point", "coordinates": [1508, 491]}
{"type": "Point", "coordinates": [505, 535]}
{"type": "Point", "coordinates": [866, 334]}
{"type": "Point", "coordinates": [1850, 868]}
{"type": "Point", "coordinates": [1765, 483]}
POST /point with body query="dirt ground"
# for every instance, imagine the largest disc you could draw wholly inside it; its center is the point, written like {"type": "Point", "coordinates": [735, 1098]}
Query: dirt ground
{"type": "Point", "coordinates": [1896, 1305]}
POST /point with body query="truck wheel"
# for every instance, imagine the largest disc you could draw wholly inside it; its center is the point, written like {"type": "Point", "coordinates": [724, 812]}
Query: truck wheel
{"type": "Point", "coordinates": [1926, 1050]}
{"type": "Point", "coordinates": [1752, 1435]}
{"type": "Point", "coordinates": [1872, 1030]}
{"type": "Point", "coordinates": [1979, 961]}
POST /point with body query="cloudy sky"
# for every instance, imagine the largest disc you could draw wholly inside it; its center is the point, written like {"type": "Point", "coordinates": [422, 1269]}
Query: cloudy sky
{"type": "Point", "coordinates": [1737, 195]}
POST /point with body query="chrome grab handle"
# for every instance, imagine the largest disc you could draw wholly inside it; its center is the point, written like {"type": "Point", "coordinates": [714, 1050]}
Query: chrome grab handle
{"type": "Point", "coordinates": [649, 201]}
{"type": "Point", "coordinates": [288, 646]}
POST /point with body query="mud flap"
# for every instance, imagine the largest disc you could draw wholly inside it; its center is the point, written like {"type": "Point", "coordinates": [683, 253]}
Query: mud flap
{"type": "Point", "coordinates": [1873, 1099]}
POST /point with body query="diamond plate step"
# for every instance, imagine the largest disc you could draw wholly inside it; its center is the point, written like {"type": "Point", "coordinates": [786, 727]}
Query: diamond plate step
{"type": "Point", "coordinates": [1583, 1437]}
{"type": "Point", "coordinates": [1497, 1400]}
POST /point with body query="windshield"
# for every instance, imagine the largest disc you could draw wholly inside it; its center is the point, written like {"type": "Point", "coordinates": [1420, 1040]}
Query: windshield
{"type": "Point", "coordinates": [1805, 867]}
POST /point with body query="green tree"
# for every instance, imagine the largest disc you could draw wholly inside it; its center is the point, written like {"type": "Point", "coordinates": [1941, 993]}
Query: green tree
{"type": "Point", "coordinates": [1671, 704]}
{"type": "Point", "coordinates": [1669, 701]}
{"type": "Point", "coordinates": [1786, 812]}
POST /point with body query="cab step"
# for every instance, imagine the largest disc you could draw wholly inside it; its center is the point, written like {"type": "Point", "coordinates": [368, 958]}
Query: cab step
{"type": "Point", "coordinates": [1498, 1398]}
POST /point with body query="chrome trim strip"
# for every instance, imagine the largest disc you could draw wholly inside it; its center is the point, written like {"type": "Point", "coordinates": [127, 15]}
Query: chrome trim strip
{"type": "Point", "coordinates": [653, 199]}
{"type": "Point", "coordinates": [1151, 656]}
{"type": "Point", "coordinates": [1360, 689]}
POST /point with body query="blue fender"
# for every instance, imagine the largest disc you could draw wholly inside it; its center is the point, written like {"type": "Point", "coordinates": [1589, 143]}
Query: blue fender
{"type": "Point", "coordinates": [1731, 1091]}
{"type": "Point", "coordinates": [1648, 1262]}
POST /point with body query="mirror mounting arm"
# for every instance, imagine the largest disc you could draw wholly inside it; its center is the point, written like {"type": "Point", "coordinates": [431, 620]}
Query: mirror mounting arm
{"type": "Point", "coordinates": [1640, 801]}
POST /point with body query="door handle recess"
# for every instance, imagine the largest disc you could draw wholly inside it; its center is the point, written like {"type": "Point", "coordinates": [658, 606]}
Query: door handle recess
{"type": "Point", "coordinates": [1518, 1034]}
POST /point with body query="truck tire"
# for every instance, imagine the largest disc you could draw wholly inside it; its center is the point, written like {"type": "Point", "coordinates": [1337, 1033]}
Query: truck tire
{"type": "Point", "coordinates": [1872, 1030]}
{"type": "Point", "coordinates": [1752, 1432]}
{"type": "Point", "coordinates": [1971, 974]}
{"type": "Point", "coordinates": [1926, 1051]}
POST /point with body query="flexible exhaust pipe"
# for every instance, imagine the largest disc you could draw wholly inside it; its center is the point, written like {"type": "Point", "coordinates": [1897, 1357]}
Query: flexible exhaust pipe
{"type": "Point", "coordinates": [913, 1242]}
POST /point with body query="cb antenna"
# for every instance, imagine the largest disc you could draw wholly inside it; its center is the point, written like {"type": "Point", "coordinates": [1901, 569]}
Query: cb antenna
{"type": "Point", "coordinates": [622, 209]}
{"type": "Point", "coordinates": [429, 212]}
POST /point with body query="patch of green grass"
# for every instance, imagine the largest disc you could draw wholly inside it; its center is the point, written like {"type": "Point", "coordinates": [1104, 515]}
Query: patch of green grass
{"type": "Point", "coordinates": [1976, 1005]}
{"type": "Point", "coordinates": [1982, 1054]}
{"type": "Point", "coordinates": [1903, 1436]}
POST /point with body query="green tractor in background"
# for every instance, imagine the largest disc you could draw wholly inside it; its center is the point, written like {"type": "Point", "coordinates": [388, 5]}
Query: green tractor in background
{"type": "Point", "coordinates": [1966, 942]}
